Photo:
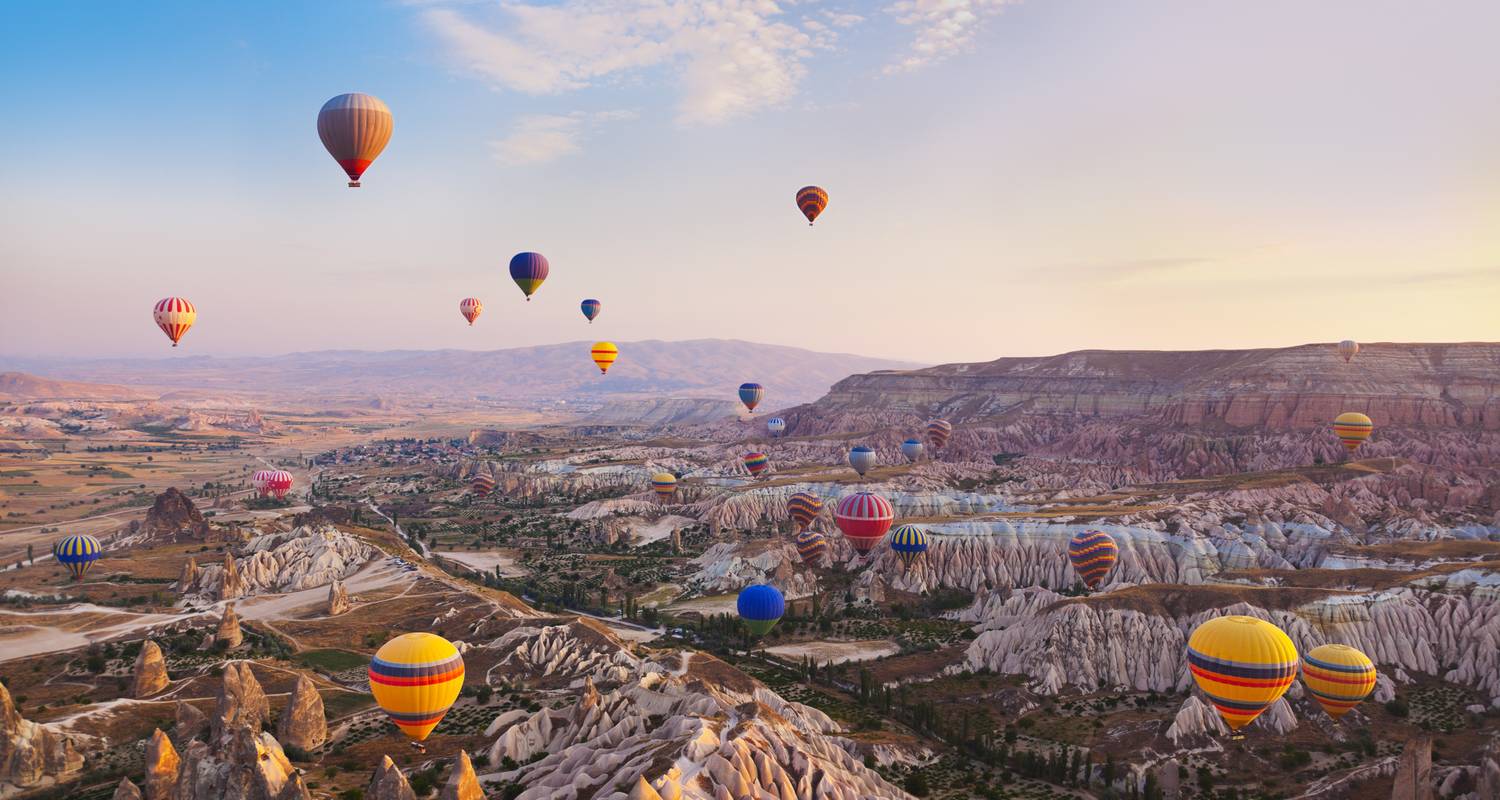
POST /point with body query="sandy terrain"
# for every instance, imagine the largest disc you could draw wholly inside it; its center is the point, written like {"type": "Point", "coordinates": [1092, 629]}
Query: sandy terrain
{"type": "Point", "coordinates": [486, 561]}
{"type": "Point", "coordinates": [837, 652]}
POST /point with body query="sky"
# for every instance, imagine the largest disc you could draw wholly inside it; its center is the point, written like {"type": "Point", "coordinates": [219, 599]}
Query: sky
{"type": "Point", "coordinates": [1005, 178]}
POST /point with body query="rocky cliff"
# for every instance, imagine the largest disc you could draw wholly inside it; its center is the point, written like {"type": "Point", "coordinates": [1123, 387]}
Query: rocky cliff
{"type": "Point", "coordinates": [303, 558]}
{"type": "Point", "coordinates": [31, 753]}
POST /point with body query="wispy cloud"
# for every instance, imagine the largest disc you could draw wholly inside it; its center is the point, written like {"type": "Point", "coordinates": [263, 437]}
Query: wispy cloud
{"type": "Point", "coordinates": [728, 58]}
{"type": "Point", "coordinates": [539, 138]}
{"type": "Point", "coordinates": [943, 27]}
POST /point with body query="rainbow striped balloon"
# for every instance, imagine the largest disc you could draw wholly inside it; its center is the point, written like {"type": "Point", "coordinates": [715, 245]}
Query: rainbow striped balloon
{"type": "Point", "coordinates": [811, 200]}
{"type": "Point", "coordinates": [1242, 664]}
{"type": "Point", "coordinates": [803, 508]}
{"type": "Point", "coordinates": [77, 553]}
{"type": "Point", "coordinates": [938, 432]}
{"type": "Point", "coordinates": [415, 678]}
{"type": "Point", "coordinates": [1338, 676]}
{"type": "Point", "coordinates": [811, 545]}
{"type": "Point", "coordinates": [909, 542]}
{"type": "Point", "coordinates": [1352, 428]}
{"type": "Point", "coordinates": [1092, 553]}
{"type": "Point", "coordinates": [756, 463]}
{"type": "Point", "coordinates": [483, 485]}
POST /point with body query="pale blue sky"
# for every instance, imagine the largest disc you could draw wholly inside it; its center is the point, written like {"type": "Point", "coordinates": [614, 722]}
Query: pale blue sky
{"type": "Point", "coordinates": [1006, 179]}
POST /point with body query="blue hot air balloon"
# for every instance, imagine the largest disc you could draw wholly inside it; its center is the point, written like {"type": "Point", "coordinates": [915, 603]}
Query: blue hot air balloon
{"type": "Point", "coordinates": [861, 458]}
{"type": "Point", "coordinates": [77, 553]}
{"type": "Point", "coordinates": [750, 394]}
{"type": "Point", "coordinates": [591, 309]}
{"type": "Point", "coordinates": [912, 449]}
{"type": "Point", "coordinates": [761, 606]}
{"type": "Point", "coordinates": [528, 270]}
{"type": "Point", "coordinates": [776, 425]}
{"type": "Point", "coordinates": [909, 542]}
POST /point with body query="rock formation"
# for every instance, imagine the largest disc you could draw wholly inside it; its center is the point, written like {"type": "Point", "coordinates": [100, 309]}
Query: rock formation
{"type": "Point", "coordinates": [126, 791]}
{"type": "Point", "coordinates": [388, 783]}
{"type": "Point", "coordinates": [462, 784]}
{"type": "Point", "coordinates": [31, 752]}
{"type": "Point", "coordinates": [289, 561]}
{"type": "Point", "coordinates": [1414, 771]}
{"type": "Point", "coordinates": [302, 724]}
{"type": "Point", "coordinates": [190, 723]}
{"type": "Point", "coordinates": [189, 575]}
{"type": "Point", "coordinates": [228, 633]}
{"type": "Point", "coordinates": [174, 518]}
{"type": "Point", "coordinates": [241, 703]}
{"type": "Point", "coordinates": [162, 767]}
{"type": "Point", "coordinates": [338, 598]}
{"type": "Point", "coordinates": [230, 584]}
{"type": "Point", "coordinates": [150, 671]}
{"type": "Point", "coordinates": [248, 765]}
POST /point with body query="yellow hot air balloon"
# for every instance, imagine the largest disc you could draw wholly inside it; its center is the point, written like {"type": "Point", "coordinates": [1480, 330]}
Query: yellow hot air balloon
{"type": "Point", "coordinates": [1352, 428]}
{"type": "Point", "coordinates": [664, 484]}
{"type": "Point", "coordinates": [415, 678]}
{"type": "Point", "coordinates": [1243, 664]}
{"type": "Point", "coordinates": [604, 354]}
{"type": "Point", "coordinates": [1338, 676]}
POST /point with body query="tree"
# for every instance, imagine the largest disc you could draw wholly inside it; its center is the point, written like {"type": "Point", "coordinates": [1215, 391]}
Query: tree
{"type": "Point", "coordinates": [916, 784]}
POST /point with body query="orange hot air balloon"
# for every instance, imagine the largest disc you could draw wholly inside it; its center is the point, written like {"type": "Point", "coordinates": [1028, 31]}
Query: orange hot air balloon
{"type": "Point", "coordinates": [604, 354]}
{"type": "Point", "coordinates": [174, 316]}
{"type": "Point", "coordinates": [471, 308]}
{"type": "Point", "coordinates": [811, 200]}
{"type": "Point", "coordinates": [354, 128]}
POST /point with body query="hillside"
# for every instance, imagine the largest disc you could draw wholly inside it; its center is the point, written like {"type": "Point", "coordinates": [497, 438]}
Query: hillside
{"type": "Point", "coordinates": [21, 386]}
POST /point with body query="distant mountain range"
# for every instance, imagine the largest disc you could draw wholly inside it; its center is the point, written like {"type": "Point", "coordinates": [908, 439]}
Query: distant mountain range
{"type": "Point", "coordinates": [701, 368]}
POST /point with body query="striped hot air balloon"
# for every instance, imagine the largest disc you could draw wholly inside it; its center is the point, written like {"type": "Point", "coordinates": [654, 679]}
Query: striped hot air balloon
{"type": "Point", "coordinates": [811, 545]}
{"type": "Point", "coordinates": [756, 463]}
{"type": "Point", "coordinates": [1338, 676]}
{"type": "Point", "coordinates": [1242, 664]}
{"type": "Point", "coordinates": [1348, 349]}
{"type": "Point", "coordinates": [665, 485]}
{"type": "Point", "coordinates": [591, 309]}
{"type": "Point", "coordinates": [811, 200]}
{"type": "Point", "coordinates": [261, 480]}
{"type": "Point", "coordinates": [354, 129]}
{"type": "Point", "coordinates": [861, 458]}
{"type": "Point", "coordinates": [415, 678]}
{"type": "Point", "coordinates": [471, 308]}
{"type": "Point", "coordinates": [482, 485]}
{"type": "Point", "coordinates": [528, 270]}
{"type": "Point", "coordinates": [77, 552]}
{"type": "Point", "coordinates": [604, 354]}
{"type": "Point", "coordinates": [776, 425]}
{"type": "Point", "coordinates": [174, 316]}
{"type": "Point", "coordinates": [909, 542]}
{"type": "Point", "coordinates": [278, 483]}
{"type": "Point", "coordinates": [912, 449]}
{"type": "Point", "coordinates": [864, 518]}
{"type": "Point", "coordinates": [761, 607]}
{"type": "Point", "coordinates": [1352, 428]}
{"type": "Point", "coordinates": [803, 508]}
{"type": "Point", "coordinates": [938, 432]}
{"type": "Point", "coordinates": [1093, 554]}
{"type": "Point", "coordinates": [750, 394]}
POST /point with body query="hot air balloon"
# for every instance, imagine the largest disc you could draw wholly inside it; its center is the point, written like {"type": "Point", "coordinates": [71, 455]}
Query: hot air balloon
{"type": "Point", "coordinates": [278, 483]}
{"type": "Point", "coordinates": [803, 508]}
{"type": "Point", "coordinates": [909, 542]}
{"type": "Point", "coordinates": [471, 308]}
{"type": "Point", "coordinates": [756, 463]}
{"type": "Point", "coordinates": [750, 394]}
{"type": "Point", "coordinates": [528, 270]}
{"type": "Point", "coordinates": [354, 128]}
{"type": "Point", "coordinates": [864, 517]}
{"type": "Point", "coordinates": [1242, 664]}
{"type": "Point", "coordinates": [1338, 676]}
{"type": "Point", "coordinates": [811, 200]}
{"type": "Point", "coordinates": [912, 449]}
{"type": "Point", "coordinates": [591, 309]}
{"type": "Point", "coordinates": [482, 485]}
{"type": "Point", "coordinates": [261, 480]}
{"type": "Point", "coordinates": [77, 553]}
{"type": "Point", "coordinates": [1348, 349]}
{"type": "Point", "coordinates": [604, 354]}
{"type": "Point", "coordinates": [861, 458]}
{"type": "Point", "coordinates": [665, 485]}
{"type": "Point", "coordinates": [811, 545]}
{"type": "Point", "coordinates": [760, 606]}
{"type": "Point", "coordinates": [776, 425]}
{"type": "Point", "coordinates": [938, 432]}
{"type": "Point", "coordinates": [415, 678]}
{"type": "Point", "coordinates": [1352, 428]}
{"type": "Point", "coordinates": [174, 316]}
{"type": "Point", "coordinates": [1092, 553]}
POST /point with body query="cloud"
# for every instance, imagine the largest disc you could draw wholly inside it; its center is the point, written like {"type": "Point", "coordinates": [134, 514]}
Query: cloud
{"type": "Point", "coordinates": [943, 27]}
{"type": "Point", "coordinates": [729, 57]}
{"type": "Point", "coordinates": [540, 138]}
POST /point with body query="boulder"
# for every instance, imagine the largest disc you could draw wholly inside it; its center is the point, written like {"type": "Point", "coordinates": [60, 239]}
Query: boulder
{"type": "Point", "coordinates": [303, 724]}
{"type": "Point", "coordinates": [150, 671]}
{"type": "Point", "coordinates": [174, 518]}
{"type": "Point", "coordinates": [462, 784]}
{"type": "Point", "coordinates": [388, 783]}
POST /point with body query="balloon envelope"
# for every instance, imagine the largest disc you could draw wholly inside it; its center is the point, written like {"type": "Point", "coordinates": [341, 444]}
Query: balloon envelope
{"type": "Point", "coordinates": [591, 309]}
{"type": "Point", "coordinates": [1348, 349]}
{"type": "Point", "coordinates": [664, 484]}
{"type": "Point", "coordinates": [811, 546]}
{"type": "Point", "coordinates": [938, 432]}
{"type": "Point", "coordinates": [864, 518]}
{"type": "Point", "coordinates": [1352, 428]}
{"type": "Point", "coordinates": [909, 542]}
{"type": "Point", "coordinates": [174, 315]}
{"type": "Point", "coordinates": [811, 200]}
{"type": "Point", "coordinates": [415, 678]}
{"type": "Point", "coordinates": [278, 483]}
{"type": "Point", "coordinates": [483, 485]}
{"type": "Point", "coordinates": [760, 606]}
{"type": "Point", "coordinates": [604, 354]}
{"type": "Point", "coordinates": [756, 463]}
{"type": "Point", "coordinates": [471, 308]}
{"type": "Point", "coordinates": [354, 129]}
{"type": "Point", "coordinates": [1338, 676]}
{"type": "Point", "coordinates": [861, 458]}
{"type": "Point", "coordinates": [528, 270]}
{"type": "Point", "coordinates": [775, 425]}
{"type": "Point", "coordinates": [1093, 554]}
{"type": "Point", "coordinates": [750, 394]}
{"type": "Point", "coordinates": [912, 449]}
{"type": "Point", "coordinates": [77, 553]}
{"type": "Point", "coordinates": [1242, 664]}
{"type": "Point", "coordinates": [803, 508]}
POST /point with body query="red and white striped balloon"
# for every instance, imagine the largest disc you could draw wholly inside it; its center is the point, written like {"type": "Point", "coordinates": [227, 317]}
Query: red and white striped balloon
{"type": "Point", "coordinates": [261, 480]}
{"type": "Point", "coordinates": [174, 316]}
{"type": "Point", "coordinates": [471, 308]}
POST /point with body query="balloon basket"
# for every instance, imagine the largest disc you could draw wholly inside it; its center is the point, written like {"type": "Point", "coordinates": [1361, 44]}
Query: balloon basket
{"type": "Point", "coordinates": [353, 184]}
